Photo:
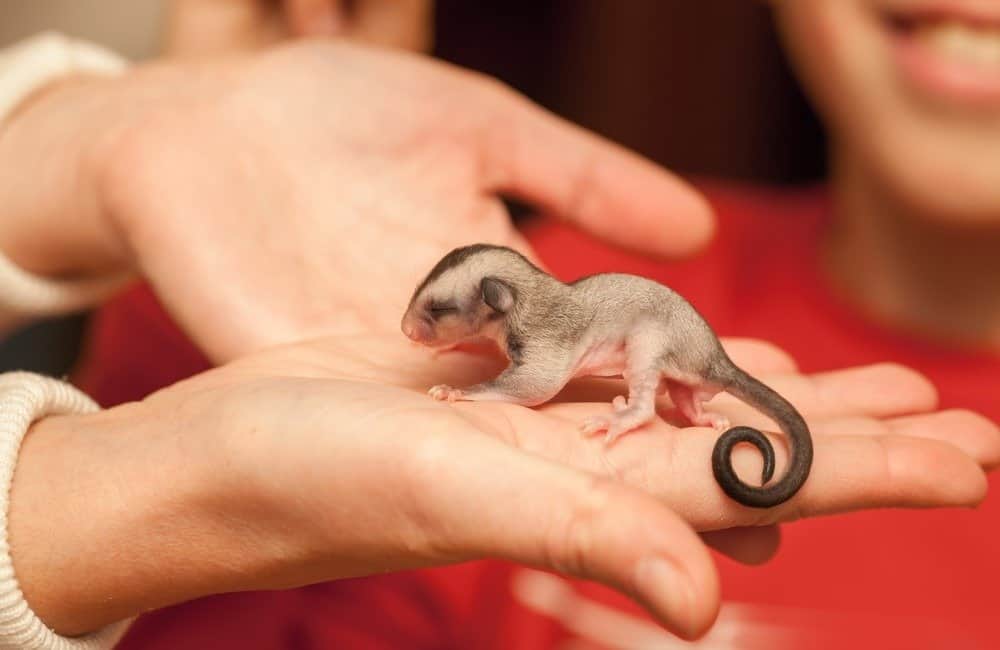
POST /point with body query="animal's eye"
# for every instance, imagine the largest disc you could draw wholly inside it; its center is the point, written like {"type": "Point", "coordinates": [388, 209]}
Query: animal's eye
{"type": "Point", "coordinates": [441, 308]}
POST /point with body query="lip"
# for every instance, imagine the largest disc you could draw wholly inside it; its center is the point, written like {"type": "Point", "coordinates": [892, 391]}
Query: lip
{"type": "Point", "coordinates": [973, 12]}
{"type": "Point", "coordinates": [933, 74]}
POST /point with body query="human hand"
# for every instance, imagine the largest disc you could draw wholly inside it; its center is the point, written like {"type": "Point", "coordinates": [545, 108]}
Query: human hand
{"type": "Point", "coordinates": [880, 440]}
{"type": "Point", "coordinates": [300, 464]}
{"type": "Point", "coordinates": [306, 191]}
{"type": "Point", "coordinates": [197, 28]}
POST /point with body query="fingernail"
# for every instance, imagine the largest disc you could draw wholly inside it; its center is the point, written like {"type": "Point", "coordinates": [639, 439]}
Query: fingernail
{"type": "Point", "coordinates": [660, 581]}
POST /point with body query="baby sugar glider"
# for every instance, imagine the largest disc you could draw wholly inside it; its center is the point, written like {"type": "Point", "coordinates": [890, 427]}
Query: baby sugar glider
{"type": "Point", "coordinates": [605, 325]}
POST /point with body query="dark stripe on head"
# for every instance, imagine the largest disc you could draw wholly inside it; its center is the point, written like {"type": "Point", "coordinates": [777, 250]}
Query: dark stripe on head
{"type": "Point", "coordinates": [515, 348]}
{"type": "Point", "coordinates": [459, 256]}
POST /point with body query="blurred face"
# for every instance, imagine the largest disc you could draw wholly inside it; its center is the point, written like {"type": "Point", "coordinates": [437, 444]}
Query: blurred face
{"type": "Point", "coordinates": [910, 90]}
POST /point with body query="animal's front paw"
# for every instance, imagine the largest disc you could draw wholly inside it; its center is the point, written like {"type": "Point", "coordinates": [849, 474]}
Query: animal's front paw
{"type": "Point", "coordinates": [622, 421]}
{"type": "Point", "coordinates": [445, 393]}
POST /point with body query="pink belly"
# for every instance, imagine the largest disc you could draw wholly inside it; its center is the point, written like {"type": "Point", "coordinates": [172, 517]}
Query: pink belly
{"type": "Point", "coordinates": [602, 360]}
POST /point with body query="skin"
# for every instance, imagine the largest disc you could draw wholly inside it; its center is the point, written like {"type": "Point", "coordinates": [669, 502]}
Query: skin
{"type": "Point", "coordinates": [895, 146]}
{"type": "Point", "coordinates": [292, 445]}
{"type": "Point", "coordinates": [201, 28]}
{"type": "Point", "coordinates": [606, 325]}
{"type": "Point", "coordinates": [245, 140]}
{"type": "Point", "coordinates": [120, 193]}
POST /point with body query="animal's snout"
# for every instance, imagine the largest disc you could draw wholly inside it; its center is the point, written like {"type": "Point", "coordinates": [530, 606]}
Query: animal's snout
{"type": "Point", "coordinates": [416, 329]}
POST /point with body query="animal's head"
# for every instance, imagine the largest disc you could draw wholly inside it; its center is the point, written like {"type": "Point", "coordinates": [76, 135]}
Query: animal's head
{"type": "Point", "coordinates": [467, 294]}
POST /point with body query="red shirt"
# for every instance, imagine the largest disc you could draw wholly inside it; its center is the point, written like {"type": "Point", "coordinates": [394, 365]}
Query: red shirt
{"type": "Point", "coordinates": [900, 579]}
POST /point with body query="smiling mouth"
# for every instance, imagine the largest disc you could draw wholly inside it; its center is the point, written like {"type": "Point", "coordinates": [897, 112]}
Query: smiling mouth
{"type": "Point", "coordinates": [949, 55]}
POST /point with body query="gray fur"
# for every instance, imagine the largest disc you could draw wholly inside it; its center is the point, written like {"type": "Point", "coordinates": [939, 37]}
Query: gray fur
{"type": "Point", "coordinates": [608, 324]}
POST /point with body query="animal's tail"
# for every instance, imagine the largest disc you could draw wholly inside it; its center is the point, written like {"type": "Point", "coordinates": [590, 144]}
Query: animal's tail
{"type": "Point", "coordinates": [738, 383]}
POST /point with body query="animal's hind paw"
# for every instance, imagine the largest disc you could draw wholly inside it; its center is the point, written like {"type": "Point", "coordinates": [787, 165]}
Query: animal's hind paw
{"type": "Point", "coordinates": [615, 425]}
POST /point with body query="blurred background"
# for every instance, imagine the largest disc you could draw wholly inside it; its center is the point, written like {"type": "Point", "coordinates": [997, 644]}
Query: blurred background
{"type": "Point", "coordinates": [700, 87]}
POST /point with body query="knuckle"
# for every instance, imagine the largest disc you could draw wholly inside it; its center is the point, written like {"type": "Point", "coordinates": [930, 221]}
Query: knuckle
{"type": "Point", "coordinates": [918, 382]}
{"type": "Point", "coordinates": [427, 460]}
{"type": "Point", "coordinates": [975, 421]}
{"type": "Point", "coordinates": [572, 538]}
{"type": "Point", "coordinates": [416, 480]}
{"type": "Point", "coordinates": [901, 371]}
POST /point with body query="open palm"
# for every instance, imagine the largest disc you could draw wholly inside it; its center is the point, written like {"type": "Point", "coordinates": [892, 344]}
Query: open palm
{"type": "Point", "coordinates": [305, 191]}
{"type": "Point", "coordinates": [364, 473]}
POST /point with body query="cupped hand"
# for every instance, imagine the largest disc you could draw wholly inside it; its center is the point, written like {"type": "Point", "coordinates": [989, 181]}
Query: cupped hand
{"type": "Point", "coordinates": [306, 191]}
{"type": "Point", "coordinates": [327, 459]}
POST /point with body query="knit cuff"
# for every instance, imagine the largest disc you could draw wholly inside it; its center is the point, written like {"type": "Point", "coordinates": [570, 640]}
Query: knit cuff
{"type": "Point", "coordinates": [25, 398]}
{"type": "Point", "coordinates": [25, 68]}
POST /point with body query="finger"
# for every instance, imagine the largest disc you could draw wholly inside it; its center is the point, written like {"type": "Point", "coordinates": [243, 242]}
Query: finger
{"type": "Point", "coordinates": [848, 472]}
{"type": "Point", "coordinates": [316, 18]}
{"type": "Point", "coordinates": [881, 390]}
{"type": "Point", "coordinates": [970, 432]}
{"type": "Point", "coordinates": [495, 212]}
{"type": "Point", "coordinates": [748, 545]}
{"type": "Point", "coordinates": [598, 186]}
{"type": "Point", "coordinates": [974, 434]}
{"type": "Point", "coordinates": [759, 357]}
{"type": "Point", "coordinates": [545, 514]}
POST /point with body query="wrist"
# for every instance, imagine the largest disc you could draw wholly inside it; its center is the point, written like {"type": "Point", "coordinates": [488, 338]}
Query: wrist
{"type": "Point", "coordinates": [120, 512]}
{"type": "Point", "coordinates": [52, 223]}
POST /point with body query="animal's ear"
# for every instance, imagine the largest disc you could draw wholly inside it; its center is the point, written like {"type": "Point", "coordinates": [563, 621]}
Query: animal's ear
{"type": "Point", "coordinates": [497, 294]}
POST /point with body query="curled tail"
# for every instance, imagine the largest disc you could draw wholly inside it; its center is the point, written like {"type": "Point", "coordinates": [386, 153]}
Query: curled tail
{"type": "Point", "coordinates": [747, 389]}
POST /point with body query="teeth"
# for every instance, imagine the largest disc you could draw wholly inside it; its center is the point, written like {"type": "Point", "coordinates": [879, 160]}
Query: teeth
{"type": "Point", "coordinates": [962, 42]}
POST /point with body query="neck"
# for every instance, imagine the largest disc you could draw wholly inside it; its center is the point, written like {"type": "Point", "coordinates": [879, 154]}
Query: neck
{"type": "Point", "coordinates": [910, 271]}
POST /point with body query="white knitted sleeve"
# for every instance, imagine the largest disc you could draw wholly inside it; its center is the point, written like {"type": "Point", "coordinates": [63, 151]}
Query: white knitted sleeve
{"type": "Point", "coordinates": [25, 68]}
{"type": "Point", "coordinates": [25, 398]}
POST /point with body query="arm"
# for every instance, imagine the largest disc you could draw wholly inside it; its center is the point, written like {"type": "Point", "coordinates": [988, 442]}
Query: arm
{"type": "Point", "coordinates": [48, 261]}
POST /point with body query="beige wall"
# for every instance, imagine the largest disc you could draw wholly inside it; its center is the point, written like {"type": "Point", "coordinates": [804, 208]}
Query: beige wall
{"type": "Point", "coordinates": [130, 27]}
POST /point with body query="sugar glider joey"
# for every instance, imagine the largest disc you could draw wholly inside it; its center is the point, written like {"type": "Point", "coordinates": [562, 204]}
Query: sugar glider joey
{"type": "Point", "coordinates": [605, 325]}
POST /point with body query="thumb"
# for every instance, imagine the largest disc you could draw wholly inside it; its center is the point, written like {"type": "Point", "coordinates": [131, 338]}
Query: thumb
{"type": "Point", "coordinates": [600, 187]}
{"type": "Point", "coordinates": [530, 510]}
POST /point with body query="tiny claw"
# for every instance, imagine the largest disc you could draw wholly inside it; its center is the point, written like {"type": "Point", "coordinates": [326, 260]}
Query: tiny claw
{"type": "Point", "coordinates": [595, 424]}
{"type": "Point", "coordinates": [619, 427]}
{"type": "Point", "coordinates": [619, 403]}
{"type": "Point", "coordinates": [444, 392]}
{"type": "Point", "coordinates": [720, 423]}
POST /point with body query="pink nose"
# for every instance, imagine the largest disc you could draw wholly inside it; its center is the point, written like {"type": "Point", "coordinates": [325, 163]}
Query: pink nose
{"type": "Point", "coordinates": [416, 330]}
{"type": "Point", "coordinates": [408, 328]}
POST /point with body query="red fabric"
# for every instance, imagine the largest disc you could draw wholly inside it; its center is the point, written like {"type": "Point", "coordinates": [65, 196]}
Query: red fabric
{"type": "Point", "coordinates": [874, 579]}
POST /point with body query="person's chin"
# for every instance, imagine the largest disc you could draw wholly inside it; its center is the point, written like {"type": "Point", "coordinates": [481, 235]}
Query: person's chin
{"type": "Point", "coordinates": [943, 190]}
